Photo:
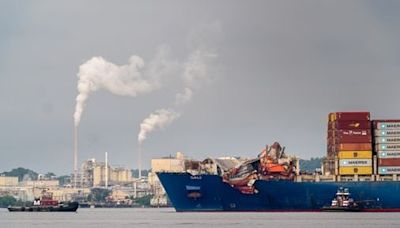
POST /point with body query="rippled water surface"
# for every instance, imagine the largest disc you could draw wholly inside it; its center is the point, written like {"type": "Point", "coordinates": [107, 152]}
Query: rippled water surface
{"type": "Point", "coordinates": [167, 217]}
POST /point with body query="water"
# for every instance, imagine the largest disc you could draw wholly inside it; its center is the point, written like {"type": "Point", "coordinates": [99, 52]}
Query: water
{"type": "Point", "coordinates": [167, 217]}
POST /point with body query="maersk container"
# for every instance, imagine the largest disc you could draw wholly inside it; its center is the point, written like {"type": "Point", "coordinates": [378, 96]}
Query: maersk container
{"type": "Point", "coordinates": [389, 162]}
{"type": "Point", "coordinates": [360, 170]}
{"type": "Point", "coordinates": [389, 170]}
{"type": "Point", "coordinates": [351, 125]}
{"type": "Point", "coordinates": [387, 147]}
{"type": "Point", "coordinates": [388, 154]}
{"type": "Point", "coordinates": [349, 116]}
{"type": "Point", "coordinates": [354, 162]}
{"type": "Point", "coordinates": [353, 146]}
{"type": "Point", "coordinates": [389, 140]}
{"type": "Point", "coordinates": [355, 154]}
{"type": "Point", "coordinates": [387, 124]}
{"type": "Point", "coordinates": [383, 133]}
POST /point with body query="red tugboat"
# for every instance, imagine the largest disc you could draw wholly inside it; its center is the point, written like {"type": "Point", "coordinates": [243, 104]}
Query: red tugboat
{"type": "Point", "coordinates": [46, 204]}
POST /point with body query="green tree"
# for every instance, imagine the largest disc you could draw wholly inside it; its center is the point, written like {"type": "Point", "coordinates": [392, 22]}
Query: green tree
{"type": "Point", "coordinates": [7, 200]}
{"type": "Point", "coordinates": [22, 174]}
{"type": "Point", "coordinates": [310, 165]}
{"type": "Point", "coordinates": [50, 175]}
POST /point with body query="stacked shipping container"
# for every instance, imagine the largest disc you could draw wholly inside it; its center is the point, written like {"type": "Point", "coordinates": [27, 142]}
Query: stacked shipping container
{"type": "Point", "coordinates": [387, 145]}
{"type": "Point", "coordinates": [350, 140]}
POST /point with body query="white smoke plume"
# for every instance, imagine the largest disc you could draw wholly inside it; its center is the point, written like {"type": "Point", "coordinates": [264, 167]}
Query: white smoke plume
{"type": "Point", "coordinates": [157, 120]}
{"type": "Point", "coordinates": [195, 71]}
{"type": "Point", "coordinates": [131, 79]}
{"type": "Point", "coordinates": [195, 74]}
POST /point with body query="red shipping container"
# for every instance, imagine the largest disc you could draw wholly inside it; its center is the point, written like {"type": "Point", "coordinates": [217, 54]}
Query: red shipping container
{"type": "Point", "coordinates": [353, 146]}
{"type": "Point", "coordinates": [353, 139]}
{"type": "Point", "coordinates": [389, 161]}
{"type": "Point", "coordinates": [350, 139]}
{"type": "Point", "coordinates": [351, 116]}
{"type": "Point", "coordinates": [351, 125]}
{"type": "Point", "coordinates": [341, 133]}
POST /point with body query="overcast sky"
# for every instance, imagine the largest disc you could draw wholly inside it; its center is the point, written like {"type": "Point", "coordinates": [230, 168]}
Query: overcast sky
{"type": "Point", "coordinates": [281, 67]}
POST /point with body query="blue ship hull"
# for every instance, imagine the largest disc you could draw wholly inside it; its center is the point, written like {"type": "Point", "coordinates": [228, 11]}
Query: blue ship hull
{"type": "Point", "coordinates": [210, 193]}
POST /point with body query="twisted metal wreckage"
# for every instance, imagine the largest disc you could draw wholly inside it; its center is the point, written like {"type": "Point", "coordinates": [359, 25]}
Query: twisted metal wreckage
{"type": "Point", "coordinates": [271, 164]}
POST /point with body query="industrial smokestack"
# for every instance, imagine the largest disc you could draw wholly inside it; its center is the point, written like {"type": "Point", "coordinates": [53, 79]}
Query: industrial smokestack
{"type": "Point", "coordinates": [75, 157]}
{"type": "Point", "coordinates": [140, 161]}
{"type": "Point", "coordinates": [106, 171]}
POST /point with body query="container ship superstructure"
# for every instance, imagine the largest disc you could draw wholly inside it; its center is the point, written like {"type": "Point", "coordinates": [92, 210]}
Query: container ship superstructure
{"type": "Point", "coordinates": [363, 156]}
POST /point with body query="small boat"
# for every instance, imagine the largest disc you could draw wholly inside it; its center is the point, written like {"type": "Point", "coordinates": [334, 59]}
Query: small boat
{"type": "Point", "coordinates": [342, 202]}
{"type": "Point", "coordinates": [46, 204]}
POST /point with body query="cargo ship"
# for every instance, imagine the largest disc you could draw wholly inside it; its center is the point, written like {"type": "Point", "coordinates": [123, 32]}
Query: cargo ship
{"type": "Point", "coordinates": [363, 156]}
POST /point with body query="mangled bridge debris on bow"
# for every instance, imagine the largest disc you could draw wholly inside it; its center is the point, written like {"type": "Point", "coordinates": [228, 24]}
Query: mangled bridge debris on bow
{"type": "Point", "coordinates": [271, 164]}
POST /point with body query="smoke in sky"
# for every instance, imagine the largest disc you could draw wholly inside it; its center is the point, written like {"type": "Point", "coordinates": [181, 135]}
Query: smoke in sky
{"type": "Point", "coordinates": [194, 74]}
{"type": "Point", "coordinates": [157, 120]}
{"type": "Point", "coordinates": [131, 79]}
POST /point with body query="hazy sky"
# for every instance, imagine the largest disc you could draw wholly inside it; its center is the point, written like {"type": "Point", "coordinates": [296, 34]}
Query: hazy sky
{"type": "Point", "coordinates": [281, 67]}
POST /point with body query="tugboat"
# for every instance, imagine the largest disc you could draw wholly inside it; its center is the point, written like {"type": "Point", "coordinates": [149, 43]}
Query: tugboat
{"type": "Point", "coordinates": [46, 204]}
{"type": "Point", "coordinates": [342, 202]}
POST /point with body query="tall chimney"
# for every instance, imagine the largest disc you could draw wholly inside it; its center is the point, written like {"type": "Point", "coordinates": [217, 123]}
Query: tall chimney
{"type": "Point", "coordinates": [140, 161]}
{"type": "Point", "coordinates": [106, 185]}
{"type": "Point", "coordinates": [75, 154]}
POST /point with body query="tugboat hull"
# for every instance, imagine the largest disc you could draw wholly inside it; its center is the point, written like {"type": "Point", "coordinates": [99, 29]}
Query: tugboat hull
{"type": "Point", "coordinates": [341, 209]}
{"type": "Point", "coordinates": [70, 207]}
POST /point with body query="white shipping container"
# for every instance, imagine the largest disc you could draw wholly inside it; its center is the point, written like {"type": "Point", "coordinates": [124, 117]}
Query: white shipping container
{"type": "Point", "coordinates": [389, 170]}
{"type": "Point", "coordinates": [388, 154]}
{"type": "Point", "coordinates": [355, 162]}
{"type": "Point", "coordinates": [387, 133]}
{"type": "Point", "coordinates": [389, 140]}
{"type": "Point", "coordinates": [387, 147]}
{"type": "Point", "coordinates": [387, 125]}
